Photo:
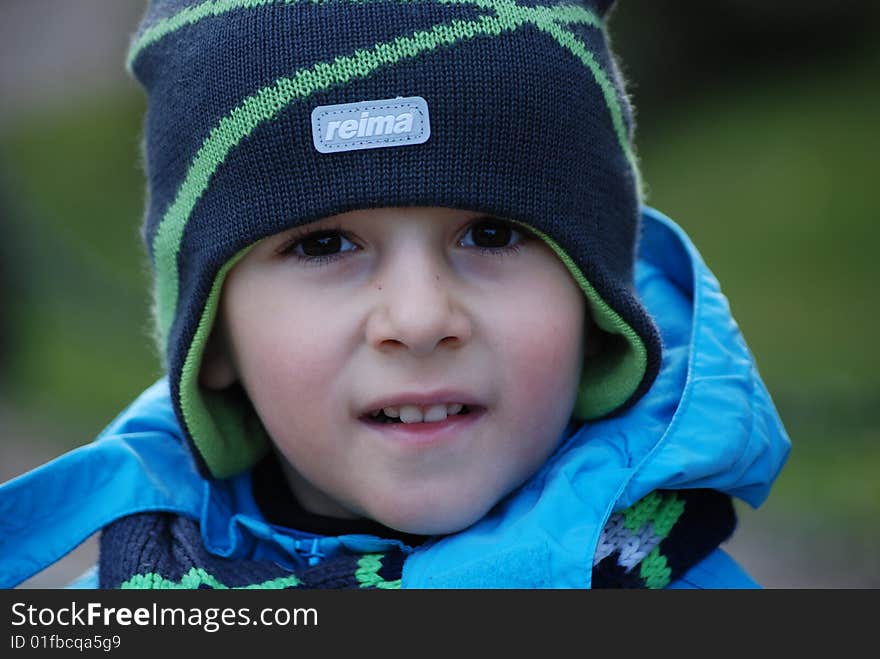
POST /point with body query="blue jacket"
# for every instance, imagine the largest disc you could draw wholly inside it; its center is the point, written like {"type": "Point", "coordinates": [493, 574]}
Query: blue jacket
{"type": "Point", "coordinates": [707, 422]}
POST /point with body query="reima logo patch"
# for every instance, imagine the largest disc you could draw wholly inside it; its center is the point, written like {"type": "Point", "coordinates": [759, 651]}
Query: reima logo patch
{"type": "Point", "coordinates": [371, 124]}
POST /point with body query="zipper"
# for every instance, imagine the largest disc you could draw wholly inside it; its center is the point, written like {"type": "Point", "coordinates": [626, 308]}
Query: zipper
{"type": "Point", "coordinates": [311, 549]}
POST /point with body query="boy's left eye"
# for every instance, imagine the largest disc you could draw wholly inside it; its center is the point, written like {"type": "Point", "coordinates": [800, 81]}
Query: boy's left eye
{"type": "Point", "coordinates": [491, 234]}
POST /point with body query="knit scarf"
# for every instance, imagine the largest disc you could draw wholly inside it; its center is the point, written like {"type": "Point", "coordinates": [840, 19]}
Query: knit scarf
{"type": "Point", "coordinates": [648, 545]}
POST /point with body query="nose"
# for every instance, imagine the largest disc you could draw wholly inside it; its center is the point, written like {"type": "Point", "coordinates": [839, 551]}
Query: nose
{"type": "Point", "coordinates": [419, 309]}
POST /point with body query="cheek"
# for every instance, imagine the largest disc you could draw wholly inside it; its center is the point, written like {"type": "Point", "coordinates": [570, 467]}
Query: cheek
{"type": "Point", "coordinates": [543, 356]}
{"type": "Point", "coordinates": [546, 336]}
{"type": "Point", "coordinates": [544, 366]}
{"type": "Point", "coordinates": [288, 357]}
{"type": "Point", "coordinates": [548, 355]}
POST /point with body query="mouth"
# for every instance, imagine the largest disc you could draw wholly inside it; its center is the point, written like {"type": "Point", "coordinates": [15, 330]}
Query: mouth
{"type": "Point", "coordinates": [418, 414]}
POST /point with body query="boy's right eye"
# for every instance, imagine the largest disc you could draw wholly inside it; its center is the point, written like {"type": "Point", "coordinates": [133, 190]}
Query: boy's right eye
{"type": "Point", "coordinates": [321, 245]}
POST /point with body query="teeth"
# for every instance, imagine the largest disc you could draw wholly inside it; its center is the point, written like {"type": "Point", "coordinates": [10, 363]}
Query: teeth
{"type": "Point", "coordinates": [417, 414]}
{"type": "Point", "coordinates": [435, 413]}
{"type": "Point", "coordinates": [411, 414]}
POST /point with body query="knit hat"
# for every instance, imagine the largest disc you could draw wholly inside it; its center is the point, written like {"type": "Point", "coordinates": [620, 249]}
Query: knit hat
{"type": "Point", "coordinates": [267, 114]}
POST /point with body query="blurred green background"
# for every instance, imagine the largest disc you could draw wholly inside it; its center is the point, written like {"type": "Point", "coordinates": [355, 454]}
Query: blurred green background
{"type": "Point", "coordinates": [757, 132]}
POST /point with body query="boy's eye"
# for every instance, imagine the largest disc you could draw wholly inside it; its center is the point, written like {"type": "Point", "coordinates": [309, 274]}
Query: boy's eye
{"type": "Point", "coordinates": [491, 234]}
{"type": "Point", "coordinates": [324, 243]}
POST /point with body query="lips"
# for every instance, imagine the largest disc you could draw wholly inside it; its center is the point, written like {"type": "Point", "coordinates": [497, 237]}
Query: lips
{"type": "Point", "coordinates": [420, 408]}
{"type": "Point", "coordinates": [410, 434]}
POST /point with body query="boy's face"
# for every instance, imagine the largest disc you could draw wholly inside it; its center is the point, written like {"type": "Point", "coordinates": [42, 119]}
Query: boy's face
{"type": "Point", "coordinates": [421, 310]}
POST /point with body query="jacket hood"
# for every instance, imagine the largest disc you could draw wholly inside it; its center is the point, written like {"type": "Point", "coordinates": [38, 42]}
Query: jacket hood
{"type": "Point", "coordinates": [707, 422]}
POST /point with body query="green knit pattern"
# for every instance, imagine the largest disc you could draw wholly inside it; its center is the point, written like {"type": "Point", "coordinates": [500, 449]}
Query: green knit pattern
{"type": "Point", "coordinates": [365, 576]}
{"type": "Point", "coordinates": [632, 538]}
{"type": "Point", "coordinates": [367, 573]}
{"type": "Point", "coordinates": [198, 578]}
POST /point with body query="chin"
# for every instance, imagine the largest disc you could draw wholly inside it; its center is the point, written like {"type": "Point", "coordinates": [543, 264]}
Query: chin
{"type": "Point", "coordinates": [431, 521]}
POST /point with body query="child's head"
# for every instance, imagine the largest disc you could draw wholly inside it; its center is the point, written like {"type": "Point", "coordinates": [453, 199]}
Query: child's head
{"type": "Point", "coordinates": [412, 205]}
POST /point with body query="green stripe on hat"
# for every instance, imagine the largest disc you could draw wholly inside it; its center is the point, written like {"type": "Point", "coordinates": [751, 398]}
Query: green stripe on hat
{"type": "Point", "coordinates": [211, 8]}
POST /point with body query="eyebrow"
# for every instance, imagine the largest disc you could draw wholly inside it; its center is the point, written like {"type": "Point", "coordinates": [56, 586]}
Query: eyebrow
{"type": "Point", "coordinates": [328, 223]}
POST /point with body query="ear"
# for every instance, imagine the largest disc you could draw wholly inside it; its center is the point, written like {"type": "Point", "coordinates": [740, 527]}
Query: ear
{"type": "Point", "coordinates": [593, 338]}
{"type": "Point", "coordinates": [217, 370]}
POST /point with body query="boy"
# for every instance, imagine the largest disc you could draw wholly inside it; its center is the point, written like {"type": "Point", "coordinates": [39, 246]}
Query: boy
{"type": "Point", "coordinates": [406, 339]}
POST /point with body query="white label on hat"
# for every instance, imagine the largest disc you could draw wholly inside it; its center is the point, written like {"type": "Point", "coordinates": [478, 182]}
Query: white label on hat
{"type": "Point", "coordinates": [371, 124]}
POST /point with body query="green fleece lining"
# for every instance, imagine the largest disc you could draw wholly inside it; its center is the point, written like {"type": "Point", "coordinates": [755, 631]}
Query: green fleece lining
{"type": "Point", "coordinates": [223, 425]}
{"type": "Point", "coordinates": [231, 438]}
